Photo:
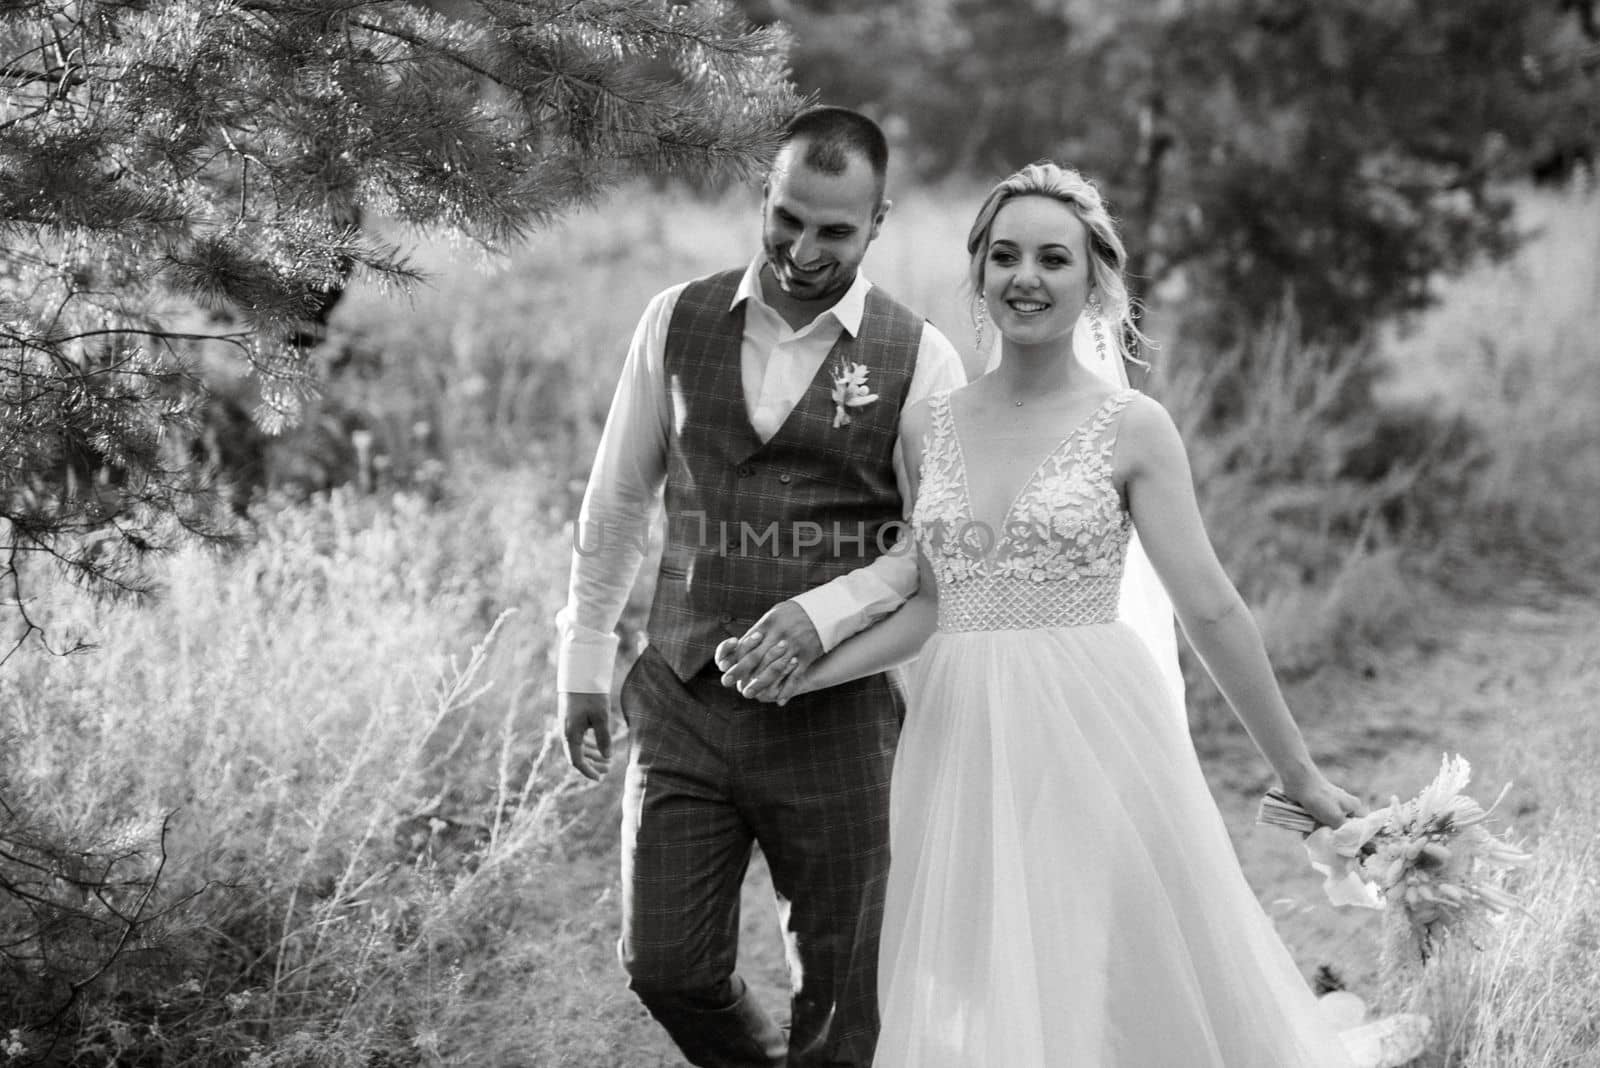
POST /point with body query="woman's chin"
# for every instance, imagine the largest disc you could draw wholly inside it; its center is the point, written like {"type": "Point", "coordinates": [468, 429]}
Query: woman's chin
{"type": "Point", "coordinates": [1035, 334]}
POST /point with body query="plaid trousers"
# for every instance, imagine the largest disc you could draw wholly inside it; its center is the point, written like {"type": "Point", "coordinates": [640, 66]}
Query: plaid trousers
{"type": "Point", "coordinates": [710, 773]}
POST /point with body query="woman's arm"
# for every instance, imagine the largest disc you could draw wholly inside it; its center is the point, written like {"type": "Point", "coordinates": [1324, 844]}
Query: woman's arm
{"type": "Point", "coordinates": [1153, 469]}
{"type": "Point", "coordinates": [888, 643]}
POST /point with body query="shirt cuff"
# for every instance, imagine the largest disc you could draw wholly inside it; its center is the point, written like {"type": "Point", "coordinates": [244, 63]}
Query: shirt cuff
{"type": "Point", "coordinates": [585, 659]}
{"type": "Point", "coordinates": [832, 611]}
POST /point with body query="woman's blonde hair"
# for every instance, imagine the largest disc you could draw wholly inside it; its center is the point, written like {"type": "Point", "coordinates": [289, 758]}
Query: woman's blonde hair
{"type": "Point", "coordinates": [1107, 256]}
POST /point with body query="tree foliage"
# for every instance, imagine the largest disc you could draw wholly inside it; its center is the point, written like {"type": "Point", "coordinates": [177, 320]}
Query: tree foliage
{"type": "Point", "coordinates": [1338, 152]}
{"type": "Point", "coordinates": [186, 179]}
{"type": "Point", "coordinates": [81, 922]}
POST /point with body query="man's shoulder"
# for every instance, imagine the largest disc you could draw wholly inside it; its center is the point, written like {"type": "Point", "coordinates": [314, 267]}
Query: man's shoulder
{"type": "Point", "coordinates": [888, 304]}
{"type": "Point", "coordinates": [934, 340]}
{"type": "Point", "coordinates": [710, 278]}
{"type": "Point", "coordinates": [705, 285]}
{"type": "Point", "coordinates": [937, 361]}
{"type": "Point", "coordinates": [728, 278]}
{"type": "Point", "coordinates": [884, 318]}
{"type": "Point", "coordinates": [665, 302]}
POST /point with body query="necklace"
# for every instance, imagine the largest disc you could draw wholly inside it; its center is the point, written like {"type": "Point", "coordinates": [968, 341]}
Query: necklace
{"type": "Point", "coordinates": [1041, 392]}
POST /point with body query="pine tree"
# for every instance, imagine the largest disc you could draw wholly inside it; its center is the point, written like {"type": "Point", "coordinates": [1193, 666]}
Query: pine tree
{"type": "Point", "coordinates": [183, 174]}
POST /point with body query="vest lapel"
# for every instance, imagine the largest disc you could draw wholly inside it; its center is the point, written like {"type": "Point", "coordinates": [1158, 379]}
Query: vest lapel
{"type": "Point", "coordinates": [817, 394]}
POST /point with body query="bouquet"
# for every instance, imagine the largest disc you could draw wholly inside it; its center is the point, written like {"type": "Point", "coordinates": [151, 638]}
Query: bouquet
{"type": "Point", "coordinates": [1430, 858]}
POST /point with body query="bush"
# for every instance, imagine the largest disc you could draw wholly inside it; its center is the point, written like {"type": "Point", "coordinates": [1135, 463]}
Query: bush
{"type": "Point", "coordinates": [1321, 503]}
{"type": "Point", "coordinates": [1512, 355]}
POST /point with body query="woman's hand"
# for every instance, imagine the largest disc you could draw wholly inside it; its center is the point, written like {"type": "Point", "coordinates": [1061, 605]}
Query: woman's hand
{"type": "Point", "coordinates": [1328, 804]}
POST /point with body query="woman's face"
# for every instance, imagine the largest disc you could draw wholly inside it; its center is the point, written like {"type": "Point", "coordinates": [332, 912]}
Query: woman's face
{"type": "Point", "coordinates": [1036, 270]}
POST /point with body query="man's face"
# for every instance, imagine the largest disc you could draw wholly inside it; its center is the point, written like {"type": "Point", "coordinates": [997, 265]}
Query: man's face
{"type": "Point", "coordinates": [816, 227]}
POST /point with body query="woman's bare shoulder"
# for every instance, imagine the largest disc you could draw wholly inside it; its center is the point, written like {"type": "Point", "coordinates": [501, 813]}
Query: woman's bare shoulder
{"type": "Point", "coordinates": [1148, 436]}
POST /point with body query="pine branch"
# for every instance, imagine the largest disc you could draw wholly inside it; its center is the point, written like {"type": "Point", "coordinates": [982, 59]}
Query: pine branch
{"type": "Point", "coordinates": [159, 160]}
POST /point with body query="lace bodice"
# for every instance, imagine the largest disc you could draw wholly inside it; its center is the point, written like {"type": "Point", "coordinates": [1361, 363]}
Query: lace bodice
{"type": "Point", "coordinates": [1056, 560]}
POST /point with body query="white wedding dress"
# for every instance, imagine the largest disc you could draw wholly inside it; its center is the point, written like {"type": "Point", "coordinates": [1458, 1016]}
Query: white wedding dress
{"type": "Point", "coordinates": [1063, 891]}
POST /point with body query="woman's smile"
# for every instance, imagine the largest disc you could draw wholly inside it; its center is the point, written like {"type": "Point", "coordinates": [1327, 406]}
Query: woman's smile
{"type": "Point", "coordinates": [1036, 272]}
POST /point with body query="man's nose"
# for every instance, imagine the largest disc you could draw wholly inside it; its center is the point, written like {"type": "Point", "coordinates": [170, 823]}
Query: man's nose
{"type": "Point", "coordinates": [805, 248]}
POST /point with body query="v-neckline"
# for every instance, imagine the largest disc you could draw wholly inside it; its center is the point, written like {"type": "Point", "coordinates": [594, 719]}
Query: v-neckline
{"type": "Point", "coordinates": [822, 377]}
{"type": "Point", "coordinates": [1033, 475]}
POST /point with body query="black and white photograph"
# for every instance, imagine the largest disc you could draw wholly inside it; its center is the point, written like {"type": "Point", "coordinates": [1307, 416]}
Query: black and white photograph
{"type": "Point", "coordinates": [761, 534]}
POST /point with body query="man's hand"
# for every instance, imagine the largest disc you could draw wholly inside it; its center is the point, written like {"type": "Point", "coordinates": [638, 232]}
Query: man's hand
{"type": "Point", "coordinates": [781, 644]}
{"type": "Point", "coordinates": [583, 714]}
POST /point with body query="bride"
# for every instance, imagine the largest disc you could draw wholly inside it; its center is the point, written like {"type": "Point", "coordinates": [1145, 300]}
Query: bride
{"type": "Point", "coordinates": [1063, 890]}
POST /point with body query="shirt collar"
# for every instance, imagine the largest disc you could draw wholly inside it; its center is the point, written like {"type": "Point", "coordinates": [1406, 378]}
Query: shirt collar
{"type": "Point", "coordinates": [847, 310]}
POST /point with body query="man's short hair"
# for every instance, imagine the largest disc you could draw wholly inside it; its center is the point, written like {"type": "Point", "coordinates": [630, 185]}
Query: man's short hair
{"type": "Point", "coordinates": [831, 135]}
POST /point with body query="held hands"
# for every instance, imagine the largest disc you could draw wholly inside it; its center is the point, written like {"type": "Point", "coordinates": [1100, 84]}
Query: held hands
{"type": "Point", "coordinates": [769, 662]}
{"type": "Point", "coordinates": [586, 726]}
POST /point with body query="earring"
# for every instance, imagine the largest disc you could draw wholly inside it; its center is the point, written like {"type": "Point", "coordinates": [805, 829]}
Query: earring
{"type": "Point", "coordinates": [980, 319]}
{"type": "Point", "coordinates": [1097, 327]}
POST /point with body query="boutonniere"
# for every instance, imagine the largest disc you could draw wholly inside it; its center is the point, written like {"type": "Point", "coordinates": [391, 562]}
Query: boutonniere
{"type": "Point", "coordinates": [850, 390]}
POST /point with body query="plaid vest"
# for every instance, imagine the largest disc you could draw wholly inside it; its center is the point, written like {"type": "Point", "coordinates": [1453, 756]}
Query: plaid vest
{"type": "Point", "coordinates": [749, 523]}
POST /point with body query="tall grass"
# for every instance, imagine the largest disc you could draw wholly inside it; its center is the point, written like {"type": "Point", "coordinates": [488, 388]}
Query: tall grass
{"type": "Point", "coordinates": [348, 721]}
{"type": "Point", "coordinates": [1475, 471]}
{"type": "Point", "coordinates": [1490, 488]}
{"type": "Point", "coordinates": [1525, 995]}
{"type": "Point", "coordinates": [1314, 544]}
{"type": "Point", "coordinates": [513, 358]}
{"type": "Point", "coordinates": [1330, 520]}
{"type": "Point", "coordinates": [346, 728]}
{"type": "Point", "coordinates": [1511, 347]}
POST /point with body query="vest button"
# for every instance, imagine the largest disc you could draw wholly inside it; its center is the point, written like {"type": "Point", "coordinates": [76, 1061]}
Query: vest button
{"type": "Point", "coordinates": [784, 478]}
{"type": "Point", "coordinates": [746, 470]}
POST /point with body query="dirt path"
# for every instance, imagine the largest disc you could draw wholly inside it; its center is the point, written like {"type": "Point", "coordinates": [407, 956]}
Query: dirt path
{"type": "Point", "coordinates": [1511, 686]}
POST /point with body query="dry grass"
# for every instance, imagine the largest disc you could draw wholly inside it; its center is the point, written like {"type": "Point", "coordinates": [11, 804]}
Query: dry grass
{"type": "Point", "coordinates": [1512, 349]}
{"type": "Point", "coordinates": [347, 725]}
{"type": "Point", "coordinates": [514, 358]}
{"type": "Point", "coordinates": [1526, 996]}
{"type": "Point", "coordinates": [353, 732]}
{"type": "Point", "coordinates": [1507, 350]}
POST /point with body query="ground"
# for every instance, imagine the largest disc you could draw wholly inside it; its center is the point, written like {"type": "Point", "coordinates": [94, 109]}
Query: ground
{"type": "Point", "coordinates": [1501, 683]}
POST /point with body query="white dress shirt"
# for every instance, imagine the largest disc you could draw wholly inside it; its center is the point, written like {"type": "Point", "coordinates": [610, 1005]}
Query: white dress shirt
{"type": "Point", "coordinates": [777, 365]}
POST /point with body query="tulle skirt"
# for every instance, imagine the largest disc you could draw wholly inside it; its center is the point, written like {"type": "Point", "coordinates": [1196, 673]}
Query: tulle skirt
{"type": "Point", "coordinates": [1063, 892]}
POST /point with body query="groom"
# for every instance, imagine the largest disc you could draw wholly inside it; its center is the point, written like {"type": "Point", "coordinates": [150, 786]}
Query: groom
{"type": "Point", "coordinates": [766, 400]}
